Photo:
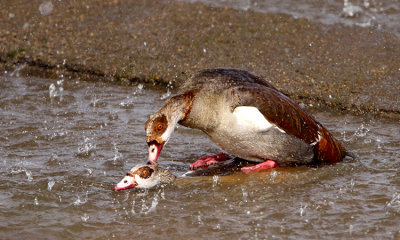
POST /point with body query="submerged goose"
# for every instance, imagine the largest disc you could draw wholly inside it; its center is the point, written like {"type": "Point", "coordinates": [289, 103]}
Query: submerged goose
{"type": "Point", "coordinates": [248, 118]}
{"type": "Point", "coordinates": [145, 176]}
{"type": "Point", "coordinates": [148, 176]}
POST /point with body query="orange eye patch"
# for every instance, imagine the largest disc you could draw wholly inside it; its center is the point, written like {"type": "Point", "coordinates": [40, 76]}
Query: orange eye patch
{"type": "Point", "coordinates": [159, 125]}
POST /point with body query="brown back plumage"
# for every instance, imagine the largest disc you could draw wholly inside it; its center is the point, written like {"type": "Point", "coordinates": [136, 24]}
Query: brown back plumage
{"type": "Point", "coordinates": [246, 89]}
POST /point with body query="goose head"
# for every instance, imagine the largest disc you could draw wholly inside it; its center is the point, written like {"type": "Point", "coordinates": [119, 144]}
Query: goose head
{"type": "Point", "coordinates": [158, 131]}
{"type": "Point", "coordinates": [140, 176]}
{"type": "Point", "coordinates": [162, 123]}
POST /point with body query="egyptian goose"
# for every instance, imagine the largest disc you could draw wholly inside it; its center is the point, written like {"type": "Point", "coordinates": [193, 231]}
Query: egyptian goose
{"type": "Point", "coordinates": [145, 176]}
{"type": "Point", "coordinates": [248, 118]}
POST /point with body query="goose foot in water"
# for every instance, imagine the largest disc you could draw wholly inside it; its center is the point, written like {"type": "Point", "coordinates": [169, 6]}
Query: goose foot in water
{"type": "Point", "coordinates": [260, 167]}
{"type": "Point", "coordinates": [204, 162]}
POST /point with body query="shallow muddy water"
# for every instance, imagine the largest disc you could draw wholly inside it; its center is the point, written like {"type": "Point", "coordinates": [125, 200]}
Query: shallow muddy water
{"type": "Point", "coordinates": [64, 144]}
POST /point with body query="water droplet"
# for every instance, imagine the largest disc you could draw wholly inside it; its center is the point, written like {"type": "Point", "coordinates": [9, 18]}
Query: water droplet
{"type": "Point", "coordinates": [20, 170]}
{"type": "Point", "coordinates": [56, 90]}
{"type": "Point", "coordinates": [86, 147]}
{"type": "Point", "coordinates": [36, 202]}
{"type": "Point", "coordinates": [117, 154]}
{"type": "Point", "coordinates": [46, 8]}
{"type": "Point", "coordinates": [165, 95]}
{"type": "Point", "coordinates": [78, 201]}
{"type": "Point", "coordinates": [215, 180]}
{"type": "Point", "coordinates": [85, 217]}
{"type": "Point", "coordinates": [50, 184]}
{"type": "Point", "coordinates": [17, 70]}
{"type": "Point", "coordinates": [303, 209]}
{"type": "Point", "coordinates": [394, 203]}
{"type": "Point", "coordinates": [273, 175]}
{"type": "Point", "coordinates": [244, 194]}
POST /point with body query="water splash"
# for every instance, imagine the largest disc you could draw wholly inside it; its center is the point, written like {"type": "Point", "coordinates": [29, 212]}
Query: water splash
{"type": "Point", "coordinates": [394, 204]}
{"type": "Point", "coordinates": [85, 217]}
{"type": "Point", "coordinates": [127, 103]}
{"type": "Point", "coordinates": [17, 70]}
{"type": "Point", "coordinates": [133, 207]}
{"type": "Point", "coordinates": [146, 208]}
{"type": "Point", "coordinates": [80, 201]}
{"type": "Point", "coordinates": [245, 195]}
{"type": "Point", "coordinates": [154, 203]}
{"type": "Point", "coordinates": [351, 229]}
{"type": "Point", "coordinates": [273, 175]}
{"type": "Point", "coordinates": [56, 90]}
{"type": "Point", "coordinates": [350, 10]}
{"type": "Point", "coordinates": [166, 95]}
{"type": "Point", "coordinates": [130, 100]}
{"type": "Point", "coordinates": [86, 147]}
{"type": "Point", "coordinates": [117, 154]}
{"type": "Point", "coordinates": [215, 180]}
{"type": "Point", "coordinates": [94, 101]}
{"type": "Point", "coordinates": [303, 209]}
{"type": "Point", "coordinates": [50, 185]}
{"type": "Point", "coordinates": [27, 172]}
{"type": "Point", "coordinates": [362, 131]}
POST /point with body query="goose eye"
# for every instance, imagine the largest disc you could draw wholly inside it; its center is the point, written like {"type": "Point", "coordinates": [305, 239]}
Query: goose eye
{"type": "Point", "coordinates": [159, 126]}
{"type": "Point", "coordinates": [145, 172]}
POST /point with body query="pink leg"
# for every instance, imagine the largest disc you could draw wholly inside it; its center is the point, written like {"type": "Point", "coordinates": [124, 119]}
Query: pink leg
{"type": "Point", "coordinates": [260, 167]}
{"type": "Point", "coordinates": [204, 162]}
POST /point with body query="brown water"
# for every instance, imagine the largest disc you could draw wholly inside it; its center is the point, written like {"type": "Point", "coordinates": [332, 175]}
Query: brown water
{"type": "Point", "coordinates": [63, 145]}
{"type": "Point", "coordinates": [379, 14]}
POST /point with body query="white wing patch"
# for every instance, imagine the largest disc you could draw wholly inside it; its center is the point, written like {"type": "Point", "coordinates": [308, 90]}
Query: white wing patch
{"type": "Point", "coordinates": [251, 118]}
{"type": "Point", "coordinates": [317, 140]}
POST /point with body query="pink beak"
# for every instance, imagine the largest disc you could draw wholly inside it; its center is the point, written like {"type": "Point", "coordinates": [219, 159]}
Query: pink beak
{"type": "Point", "coordinates": [154, 151]}
{"type": "Point", "coordinates": [117, 188]}
{"type": "Point", "coordinates": [126, 183]}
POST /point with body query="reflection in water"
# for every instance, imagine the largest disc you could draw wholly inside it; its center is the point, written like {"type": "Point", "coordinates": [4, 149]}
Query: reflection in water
{"type": "Point", "coordinates": [60, 158]}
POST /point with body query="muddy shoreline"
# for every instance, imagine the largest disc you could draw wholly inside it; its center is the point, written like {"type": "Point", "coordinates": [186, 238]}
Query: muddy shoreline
{"type": "Point", "coordinates": [345, 68]}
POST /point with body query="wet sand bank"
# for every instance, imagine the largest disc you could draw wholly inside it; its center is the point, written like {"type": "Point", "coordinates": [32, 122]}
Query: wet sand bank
{"type": "Point", "coordinates": [346, 68]}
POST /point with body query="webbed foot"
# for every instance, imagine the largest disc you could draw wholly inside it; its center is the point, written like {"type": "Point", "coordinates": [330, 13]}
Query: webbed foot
{"type": "Point", "coordinates": [260, 167]}
{"type": "Point", "coordinates": [204, 162]}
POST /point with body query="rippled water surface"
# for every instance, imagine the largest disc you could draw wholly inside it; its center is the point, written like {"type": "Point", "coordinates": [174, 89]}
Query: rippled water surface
{"type": "Point", "coordinates": [381, 14]}
{"type": "Point", "coordinates": [64, 144]}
